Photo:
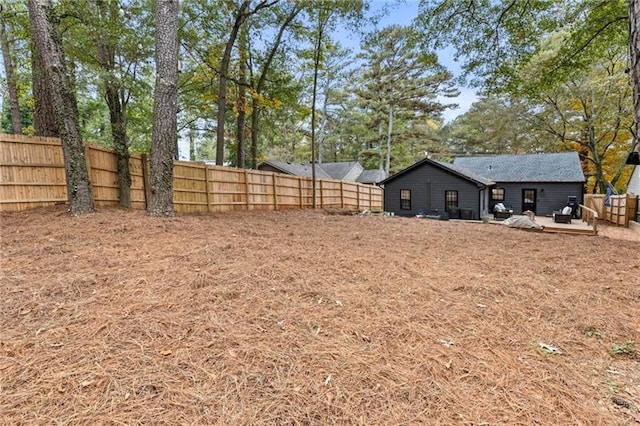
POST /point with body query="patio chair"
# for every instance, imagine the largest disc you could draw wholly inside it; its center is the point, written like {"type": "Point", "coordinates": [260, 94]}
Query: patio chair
{"type": "Point", "coordinates": [500, 212]}
{"type": "Point", "coordinates": [563, 216]}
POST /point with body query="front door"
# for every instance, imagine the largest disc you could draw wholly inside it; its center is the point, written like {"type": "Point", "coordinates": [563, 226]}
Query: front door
{"type": "Point", "coordinates": [529, 200]}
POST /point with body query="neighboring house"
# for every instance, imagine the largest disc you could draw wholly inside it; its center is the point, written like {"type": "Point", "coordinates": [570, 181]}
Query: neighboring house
{"type": "Point", "coordinates": [295, 169]}
{"type": "Point", "coordinates": [633, 187]}
{"type": "Point", "coordinates": [346, 171]}
{"type": "Point", "coordinates": [634, 181]}
{"type": "Point", "coordinates": [432, 187]}
{"type": "Point", "coordinates": [541, 183]}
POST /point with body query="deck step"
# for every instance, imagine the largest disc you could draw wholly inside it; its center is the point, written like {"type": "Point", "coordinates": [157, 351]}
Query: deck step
{"type": "Point", "coordinates": [575, 231]}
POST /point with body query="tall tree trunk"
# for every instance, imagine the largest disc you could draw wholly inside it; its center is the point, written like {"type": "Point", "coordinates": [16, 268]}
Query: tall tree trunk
{"type": "Point", "coordinates": [192, 143]}
{"type": "Point", "coordinates": [634, 47]}
{"type": "Point", "coordinates": [47, 40]}
{"type": "Point", "coordinates": [113, 88]}
{"type": "Point", "coordinates": [255, 118]}
{"type": "Point", "coordinates": [601, 182]}
{"type": "Point", "coordinates": [380, 156]}
{"type": "Point", "coordinates": [44, 119]}
{"type": "Point", "coordinates": [12, 86]}
{"type": "Point", "coordinates": [222, 86]}
{"type": "Point", "coordinates": [120, 142]}
{"type": "Point", "coordinates": [165, 109]}
{"type": "Point", "coordinates": [255, 114]}
{"type": "Point", "coordinates": [316, 68]}
{"type": "Point", "coordinates": [323, 123]}
{"type": "Point", "coordinates": [387, 165]}
{"type": "Point", "coordinates": [242, 101]}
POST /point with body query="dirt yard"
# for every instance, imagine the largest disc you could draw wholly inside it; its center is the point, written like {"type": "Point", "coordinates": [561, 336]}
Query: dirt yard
{"type": "Point", "coordinates": [314, 318]}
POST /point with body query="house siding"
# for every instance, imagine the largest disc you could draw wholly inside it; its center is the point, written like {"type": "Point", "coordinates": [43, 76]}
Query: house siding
{"type": "Point", "coordinates": [428, 184]}
{"type": "Point", "coordinates": [634, 182]}
{"type": "Point", "coordinates": [269, 168]}
{"type": "Point", "coordinates": [353, 173]}
{"type": "Point", "coordinates": [551, 196]}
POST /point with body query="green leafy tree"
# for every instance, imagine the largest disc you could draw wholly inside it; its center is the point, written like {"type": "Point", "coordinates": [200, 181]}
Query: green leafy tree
{"type": "Point", "coordinates": [109, 44]}
{"type": "Point", "coordinates": [537, 50]}
{"type": "Point", "coordinates": [496, 125]}
{"type": "Point", "coordinates": [11, 77]}
{"type": "Point", "coordinates": [493, 39]}
{"type": "Point", "coordinates": [592, 115]}
{"type": "Point", "coordinates": [240, 15]}
{"type": "Point", "coordinates": [103, 22]}
{"type": "Point", "coordinates": [634, 49]}
{"type": "Point", "coordinates": [400, 81]}
{"type": "Point", "coordinates": [325, 14]}
{"type": "Point", "coordinates": [285, 18]}
{"type": "Point", "coordinates": [14, 19]}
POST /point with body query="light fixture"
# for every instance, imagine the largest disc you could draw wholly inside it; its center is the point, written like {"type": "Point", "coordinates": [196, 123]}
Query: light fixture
{"type": "Point", "coordinates": [633, 158]}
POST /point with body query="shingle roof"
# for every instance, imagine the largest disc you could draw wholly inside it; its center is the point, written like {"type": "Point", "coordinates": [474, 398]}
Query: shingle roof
{"type": "Point", "coordinates": [371, 176]}
{"type": "Point", "coordinates": [298, 169]}
{"type": "Point", "coordinates": [338, 171]}
{"type": "Point", "coordinates": [465, 174]}
{"type": "Point", "coordinates": [468, 173]}
{"type": "Point", "coordinates": [350, 171]}
{"type": "Point", "coordinates": [559, 167]}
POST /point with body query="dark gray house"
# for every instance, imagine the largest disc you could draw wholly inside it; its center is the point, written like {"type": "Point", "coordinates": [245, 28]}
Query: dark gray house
{"type": "Point", "coordinates": [433, 187]}
{"type": "Point", "coordinates": [541, 183]}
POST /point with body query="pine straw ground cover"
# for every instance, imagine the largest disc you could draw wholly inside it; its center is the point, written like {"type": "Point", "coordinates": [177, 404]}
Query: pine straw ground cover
{"type": "Point", "coordinates": [312, 318]}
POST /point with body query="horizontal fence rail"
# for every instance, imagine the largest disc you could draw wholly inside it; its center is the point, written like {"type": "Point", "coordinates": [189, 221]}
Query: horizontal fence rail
{"type": "Point", "coordinates": [32, 175]}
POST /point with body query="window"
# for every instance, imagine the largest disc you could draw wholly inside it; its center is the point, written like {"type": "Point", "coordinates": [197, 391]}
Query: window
{"type": "Point", "coordinates": [450, 199]}
{"type": "Point", "coordinates": [405, 199]}
{"type": "Point", "coordinates": [497, 194]}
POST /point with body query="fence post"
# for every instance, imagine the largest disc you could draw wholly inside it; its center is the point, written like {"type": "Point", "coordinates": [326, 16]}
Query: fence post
{"type": "Point", "coordinates": [321, 192]}
{"type": "Point", "coordinates": [357, 197]}
{"type": "Point", "coordinates": [206, 182]}
{"type": "Point", "coordinates": [341, 195]}
{"type": "Point", "coordinates": [630, 209]}
{"type": "Point", "coordinates": [146, 179]}
{"type": "Point", "coordinates": [246, 186]}
{"type": "Point", "coordinates": [275, 192]}
{"type": "Point", "coordinates": [370, 199]}
{"type": "Point", "coordinates": [300, 191]}
{"type": "Point", "coordinates": [87, 160]}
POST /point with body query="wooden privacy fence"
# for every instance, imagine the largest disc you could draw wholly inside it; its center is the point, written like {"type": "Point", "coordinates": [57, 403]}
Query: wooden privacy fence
{"type": "Point", "coordinates": [32, 175]}
{"type": "Point", "coordinates": [621, 209]}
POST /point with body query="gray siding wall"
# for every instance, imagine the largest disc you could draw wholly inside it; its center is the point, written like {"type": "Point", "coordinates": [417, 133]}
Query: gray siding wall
{"type": "Point", "coordinates": [268, 168]}
{"type": "Point", "coordinates": [353, 174]}
{"type": "Point", "coordinates": [550, 196]}
{"type": "Point", "coordinates": [634, 182]}
{"type": "Point", "coordinates": [428, 184]}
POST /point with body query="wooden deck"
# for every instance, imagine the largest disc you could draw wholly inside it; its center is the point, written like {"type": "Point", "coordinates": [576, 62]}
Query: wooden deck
{"type": "Point", "coordinates": [577, 226]}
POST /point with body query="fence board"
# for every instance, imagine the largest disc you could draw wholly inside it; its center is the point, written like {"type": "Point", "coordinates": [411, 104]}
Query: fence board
{"type": "Point", "coordinates": [190, 187]}
{"type": "Point", "coordinates": [32, 175]}
{"type": "Point", "coordinates": [621, 209]}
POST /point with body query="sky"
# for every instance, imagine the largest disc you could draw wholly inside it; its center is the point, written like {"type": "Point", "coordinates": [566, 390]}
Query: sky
{"type": "Point", "coordinates": [403, 13]}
